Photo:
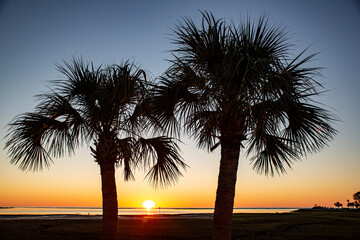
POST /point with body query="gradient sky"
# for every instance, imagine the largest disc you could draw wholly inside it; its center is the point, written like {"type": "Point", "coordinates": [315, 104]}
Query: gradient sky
{"type": "Point", "coordinates": [36, 34]}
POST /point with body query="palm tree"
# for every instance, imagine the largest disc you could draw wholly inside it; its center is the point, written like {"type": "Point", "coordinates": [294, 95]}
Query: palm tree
{"type": "Point", "coordinates": [338, 204]}
{"type": "Point", "coordinates": [356, 196]}
{"type": "Point", "coordinates": [100, 106]}
{"type": "Point", "coordinates": [237, 87]}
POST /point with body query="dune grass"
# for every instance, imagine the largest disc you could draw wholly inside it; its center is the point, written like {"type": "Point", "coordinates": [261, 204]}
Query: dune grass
{"type": "Point", "coordinates": [308, 225]}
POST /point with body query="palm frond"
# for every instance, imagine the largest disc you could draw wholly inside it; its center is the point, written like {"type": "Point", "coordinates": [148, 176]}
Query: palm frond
{"type": "Point", "coordinates": [26, 141]}
{"type": "Point", "coordinates": [126, 157]}
{"type": "Point", "coordinates": [164, 100]}
{"type": "Point", "coordinates": [309, 127]}
{"type": "Point", "coordinates": [205, 127]}
{"type": "Point", "coordinates": [272, 154]}
{"type": "Point", "coordinates": [161, 157]}
{"type": "Point", "coordinates": [58, 107]}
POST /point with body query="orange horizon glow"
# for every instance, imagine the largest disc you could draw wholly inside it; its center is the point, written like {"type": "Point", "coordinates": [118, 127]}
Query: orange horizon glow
{"type": "Point", "coordinates": [164, 204]}
{"type": "Point", "coordinates": [176, 198]}
{"type": "Point", "coordinates": [132, 195]}
{"type": "Point", "coordinates": [80, 185]}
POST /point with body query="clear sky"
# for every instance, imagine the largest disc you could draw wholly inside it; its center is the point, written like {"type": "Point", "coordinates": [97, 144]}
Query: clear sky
{"type": "Point", "coordinates": [36, 34]}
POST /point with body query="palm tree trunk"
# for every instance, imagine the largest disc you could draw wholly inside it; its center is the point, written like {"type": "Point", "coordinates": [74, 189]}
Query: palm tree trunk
{"type": "Point", "coordinates": [222, 223]}
{"type": "Point", "coordinates": [110, 205]}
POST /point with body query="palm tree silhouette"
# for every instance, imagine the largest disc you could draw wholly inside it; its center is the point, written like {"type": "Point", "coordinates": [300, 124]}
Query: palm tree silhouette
{"type": "Point", "coordinates": [234, 85]}
{"type": "Point", "coordinates": [356, 196]}
{"type": "Point", "coordinates": [338, 204]}
{"type": "Point", "coordinates": [350, 204]}
{"type": "Point", "coordinates": [100, 106]}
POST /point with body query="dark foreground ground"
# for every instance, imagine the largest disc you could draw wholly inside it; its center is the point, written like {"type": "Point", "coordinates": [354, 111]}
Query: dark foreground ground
{"type": "Point", "coordinates": [300, 225]}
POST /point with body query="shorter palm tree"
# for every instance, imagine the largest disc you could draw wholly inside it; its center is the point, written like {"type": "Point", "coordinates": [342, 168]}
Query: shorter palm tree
{"type": "Point", "coordinates": [100, 106]}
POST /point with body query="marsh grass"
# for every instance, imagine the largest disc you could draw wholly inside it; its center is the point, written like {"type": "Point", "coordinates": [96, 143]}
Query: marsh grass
{"type": "Point", "coordinates": [307, 225]}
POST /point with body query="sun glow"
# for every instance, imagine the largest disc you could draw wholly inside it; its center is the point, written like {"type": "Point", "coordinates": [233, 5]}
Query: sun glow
{"type": "Point", "coordinates": [148, 204]}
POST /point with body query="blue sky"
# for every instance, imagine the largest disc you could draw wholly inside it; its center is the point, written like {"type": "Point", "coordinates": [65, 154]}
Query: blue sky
{"type": "Point", "coordinates": [37, 34]}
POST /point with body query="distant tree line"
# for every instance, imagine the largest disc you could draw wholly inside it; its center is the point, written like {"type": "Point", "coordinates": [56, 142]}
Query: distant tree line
{"type": "Point", "coordinates": [354, 204]}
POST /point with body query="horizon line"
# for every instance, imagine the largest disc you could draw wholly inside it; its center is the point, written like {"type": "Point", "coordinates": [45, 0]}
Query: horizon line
{"type": "Point", "coordinates": [73, 207]}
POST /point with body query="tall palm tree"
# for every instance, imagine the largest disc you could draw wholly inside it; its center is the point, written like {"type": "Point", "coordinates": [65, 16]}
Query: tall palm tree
{"type": "Point", "coordinates": [100, 106]}
{"type": "Point", "coordinates": [238, 87]}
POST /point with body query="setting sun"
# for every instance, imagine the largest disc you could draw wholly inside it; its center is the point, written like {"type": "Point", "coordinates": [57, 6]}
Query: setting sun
{"type": "Point", "coordinates": [148, 204]}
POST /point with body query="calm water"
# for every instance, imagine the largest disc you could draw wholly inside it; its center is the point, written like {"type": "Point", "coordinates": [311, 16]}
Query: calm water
{"type": "Point", "coordinates": [128, 211]}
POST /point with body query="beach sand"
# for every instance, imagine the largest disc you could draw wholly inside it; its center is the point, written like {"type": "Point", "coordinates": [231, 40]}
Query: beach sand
{"type": "Point", "coordinates": [299, 225]}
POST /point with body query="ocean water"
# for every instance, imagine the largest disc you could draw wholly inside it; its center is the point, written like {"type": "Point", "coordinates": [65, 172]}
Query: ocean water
{"type": "Point", "coordinates": [93, 211]}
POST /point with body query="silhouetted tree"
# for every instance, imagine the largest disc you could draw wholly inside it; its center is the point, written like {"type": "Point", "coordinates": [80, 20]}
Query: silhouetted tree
{"type": "Point", "coordinates": [234, 85]}
{"type": "Point", "coordinates": [101, 106]}
{"type": "Point", "coordinates": [337, 204]}
{"type": "Point", "coordinates": [350, 204]}
{"type": "Point", "coordinates": [356, 196]}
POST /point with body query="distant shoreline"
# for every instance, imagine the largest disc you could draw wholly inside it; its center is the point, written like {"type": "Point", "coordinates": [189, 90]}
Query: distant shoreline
{"type": "Point", "coordinates": [62, 211]}
{"type": "Point", "coordinates": [159, 216]}
{"type": "Point", "coordinates": [153, 216]}
{"type": "Point", "coordinates": [327, 210]}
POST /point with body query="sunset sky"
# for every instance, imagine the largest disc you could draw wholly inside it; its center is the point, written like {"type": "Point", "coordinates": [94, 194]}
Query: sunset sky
{"type": "Point", "coordinates": [34, 35]}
